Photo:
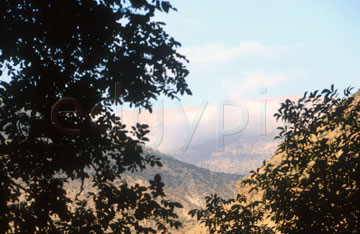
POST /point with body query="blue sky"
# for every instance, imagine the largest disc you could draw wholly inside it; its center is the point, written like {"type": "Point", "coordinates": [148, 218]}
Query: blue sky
{"type": "Point", "coordinates": [238, 47]}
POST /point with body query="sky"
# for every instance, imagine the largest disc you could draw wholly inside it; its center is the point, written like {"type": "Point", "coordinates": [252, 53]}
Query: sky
{"type": "Point", "coordinates": [245, 49]}
{"type": "Point", "coordinates": [251, 54]}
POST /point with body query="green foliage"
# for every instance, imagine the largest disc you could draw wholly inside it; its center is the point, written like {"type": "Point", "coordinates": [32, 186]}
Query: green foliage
{"type": "Point", "coordinates": [80, 49]}
{"type": "Point", "coordinates": [315, 187]}
{"type": "Point", "coordinates": [231, 216]}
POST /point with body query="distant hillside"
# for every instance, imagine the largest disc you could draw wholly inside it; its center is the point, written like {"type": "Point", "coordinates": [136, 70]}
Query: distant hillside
{"type": "Point", "coordinates": [188, 184]}
{"type": "Point", "coordinates": [184, 183]}
{"type": "Point", "coordinates": [241, 154]}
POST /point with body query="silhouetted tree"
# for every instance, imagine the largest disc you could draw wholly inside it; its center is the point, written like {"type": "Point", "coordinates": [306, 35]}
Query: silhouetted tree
{"type": "Point", "coordinates": [314, 188]}
{"type": "Point", "coordinates": [52, 49]}
{"type": "Point", "coordinates": [313, 184]}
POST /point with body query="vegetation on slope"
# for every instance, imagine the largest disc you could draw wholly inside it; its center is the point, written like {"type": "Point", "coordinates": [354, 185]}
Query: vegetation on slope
{"type": "Point", "coordinates": [311, 185]}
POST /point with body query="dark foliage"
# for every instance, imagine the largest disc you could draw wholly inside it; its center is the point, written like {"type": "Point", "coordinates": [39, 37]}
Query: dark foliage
{"type": "Point", "coordinates": [81, 49]}
{"type": "Point", "coordinates": [315, 188]}
{"type": "Point", "coordinates": [232, 216]}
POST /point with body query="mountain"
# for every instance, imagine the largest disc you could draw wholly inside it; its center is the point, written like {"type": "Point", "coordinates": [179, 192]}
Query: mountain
{"type": "Point", "coordinates": [184, 183]}
{"type": "Point", "coordinates": [192, 134]}
{"type": "Point", "coordinates": [187, 184]}
{"type": "Point", "coordinates": [241, 154]}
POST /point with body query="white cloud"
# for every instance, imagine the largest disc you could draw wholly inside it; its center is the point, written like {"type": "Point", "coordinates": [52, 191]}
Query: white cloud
{"type": "Point", "coordinates": [173, 131]}
{"type": "Point", "coordinates": [218, 53]}
{"type": "Point", "coordinates": [253, 83]}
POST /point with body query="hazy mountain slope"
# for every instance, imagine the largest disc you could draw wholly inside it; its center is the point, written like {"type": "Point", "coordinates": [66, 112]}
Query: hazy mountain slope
{"type": "Point", "coordinates": [184, 183]}
{"type": "Point", "coordinates": [188, 184]}
{"type": "Point", "coordinates": [241, 154]}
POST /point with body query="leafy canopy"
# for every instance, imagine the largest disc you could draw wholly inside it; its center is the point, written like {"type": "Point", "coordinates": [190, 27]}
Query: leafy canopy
{"type": "Point", "coordinates": [81, 49]}
{"type": "Point", "coordinates": [315, 187]}
{"type": "Point", "coordinates": [312, 186]}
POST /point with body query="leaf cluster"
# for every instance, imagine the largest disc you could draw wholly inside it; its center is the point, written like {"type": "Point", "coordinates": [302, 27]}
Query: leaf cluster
{"type": "Point", "coordinates": [232, 216]}
{"type": "Point", "coordinates": [80, 49]}
{"type": "Point", "coordinates": [315, 187]}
